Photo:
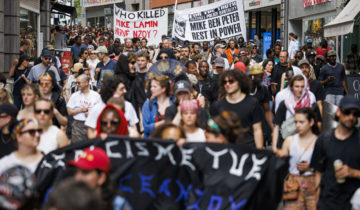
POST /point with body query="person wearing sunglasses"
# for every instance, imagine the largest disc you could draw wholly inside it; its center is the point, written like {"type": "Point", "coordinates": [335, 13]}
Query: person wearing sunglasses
{"type": "Point", "coordinates": [52, 137]}
{"type": "Point", "coordinates": [50, 90]}
{"type": "Point", "coordinates": [111, 122]}
{"type": "Point", "coordinates": [336, 157]}
{"type": "Point", "coordinates": [42, 67]}
{"type": "Point", "coordinates": [235, 87]}
{"type": "Point", "coordinates": [27, 135]}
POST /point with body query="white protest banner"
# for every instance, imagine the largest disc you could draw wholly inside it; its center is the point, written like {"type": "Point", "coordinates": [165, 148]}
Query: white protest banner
{"type": "Point", "coordinates": [149, 24]}
{"type": "Point", "coordinates": [222, 19]}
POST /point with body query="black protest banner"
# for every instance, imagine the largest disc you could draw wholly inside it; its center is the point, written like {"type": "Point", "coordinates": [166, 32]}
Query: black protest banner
{"type": "Point", "coordinates": [222, 19]}
{"type": "Point", "coordinates": [353, 85]}
{"type": "Point", "coordinates": [155, 174]}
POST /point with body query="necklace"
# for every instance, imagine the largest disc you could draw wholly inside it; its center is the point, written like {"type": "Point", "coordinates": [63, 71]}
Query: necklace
{"type": "Point", "coordinates": [5, 141]}
{"type": "Point", "coordinates": [253, 93]}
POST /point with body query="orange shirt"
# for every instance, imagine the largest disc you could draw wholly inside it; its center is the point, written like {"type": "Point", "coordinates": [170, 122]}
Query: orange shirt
{"type": "Point", "coordinates": [229, 55]}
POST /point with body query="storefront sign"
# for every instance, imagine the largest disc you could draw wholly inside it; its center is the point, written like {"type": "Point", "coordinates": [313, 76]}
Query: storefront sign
{"type": "Point", "coordinates": [156, 174]}
{"type": "Point", "coordinates": [353, 85]}
{"type": "Point", "coordinates": [149, 24]}
{"type": "Point", "coordinates": [92, 3]}
{"type": "Point", "coordinates": [221, 19]}
{"type": "Point", "coordinates": [307, 3]}
{"type": "Point", "coordinates": [256, 4]}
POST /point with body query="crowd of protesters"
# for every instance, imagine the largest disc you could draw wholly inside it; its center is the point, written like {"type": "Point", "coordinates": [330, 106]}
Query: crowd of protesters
{"type": "Point", "coordinates": [229, 94]}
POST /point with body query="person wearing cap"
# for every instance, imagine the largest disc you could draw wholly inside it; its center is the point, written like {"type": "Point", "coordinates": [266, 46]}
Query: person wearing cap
{"type": "Point", "coordinates": [105, 65]}
{"type": "Point", "coordinates": [262, 93]}
{"type": "Point", "coordinates": [76, 47]}
{"type": "Point", "coordinates": [310, 56]}
{"type": "Point", "coordinates": [219, 52]}
{"type": "Point", "coordinates": [336, 157]}
{"type": "Point", "coordinates": [71, 82]}
{"type": "Point", "coordinates": [190, 121]}
{"type": "Point", "coordinates": [182, 91]}
{"type": "Point", "coordinates": [93, 168]}
{"type": "Point", "coordinates": [309, 45]}
{"type": "Point", "coordinates": [332, 76]}
{"type": "Point", "coordinates": [27, 135]}
{"type": "Point", "coordinates": [235, 86]}
{"type": "Point", "coordinates": [40, 68]}
{"type": "Point", "coordinates": [315, 86]}
{"type": "Point", "coordinates": [8, 113]}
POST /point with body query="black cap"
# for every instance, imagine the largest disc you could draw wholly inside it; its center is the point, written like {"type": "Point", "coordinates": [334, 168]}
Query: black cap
{"type": "Point", "coordinates": [311, 53]}
{"type": "Point", "coordinates": [9, 109]}
{"type": "Point", "coordinates": [349, 102]}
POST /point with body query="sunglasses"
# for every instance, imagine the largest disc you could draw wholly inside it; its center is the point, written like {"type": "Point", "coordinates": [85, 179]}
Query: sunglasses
{"type": "Point", "coordinates": [32, 132]}
{"type": "Point", "coordinates": [46, 111]}
{"type": "Point", "coordinates": [45, 84]}
{"type": "Point", "coordinates": [165, 57]}
{"type": "Point", "coordinates": [47, 58]}
{"type": "Point", "coordinates": [230, 81]}
{"type": "Point", "coordinates": [349, 111]}
{"type": "Point", "coordinates": [86, 53]}
{"type": "Point", "coordinates": [133, 62]}
{"type": "Point", "coordinates": [112, 122]}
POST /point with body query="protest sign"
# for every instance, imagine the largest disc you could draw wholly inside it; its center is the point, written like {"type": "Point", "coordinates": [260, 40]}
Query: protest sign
{"type": "Point", "coordinates": [222, 19]}
{"type": "Point", "coordinates": [149, 24]}
{"type": "Point", "coordinates": [195, 176]}
{"type": "Point", "coordinates": [353, 85]}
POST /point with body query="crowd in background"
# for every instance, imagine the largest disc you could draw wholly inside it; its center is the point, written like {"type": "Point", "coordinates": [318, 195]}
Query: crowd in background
{"type": "Point", "coordinates": [229, 93]}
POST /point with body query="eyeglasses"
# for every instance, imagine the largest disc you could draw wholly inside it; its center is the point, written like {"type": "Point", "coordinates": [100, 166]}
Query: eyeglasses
{"type": "Point", "coordinates": [45, 84]}
{"type": "Point", "coordinates": [230, 81]}
{"type": "Point", "coordinates": [32, 132]}
{"type": "Point", "coordinates": [46, 111]}
{"type": "Point", "coordinates": [112, 122]}
{"type": "Point", "coordinates": [350, 111]}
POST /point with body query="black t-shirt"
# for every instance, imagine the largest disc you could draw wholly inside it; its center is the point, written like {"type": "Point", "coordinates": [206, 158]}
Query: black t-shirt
{"type": "Point", "coordinates": [209, 88]}
{"type": "Point", "coordinates": [19, 82]}
{"type": "Point", "coordinates": [276, 75]}
{"type": "Point", "coordinates": [7, 145]}
{"type": "Point", "coordinates": [262, 93]}
{"type": "Point", "coordinates": [171, 111]}
{"type": "Point", "coordinates": [317, 89]}
{"type": "Point", "coordinates": [248, 110]}
{"type": "Point", "coordinates": [335, 196]}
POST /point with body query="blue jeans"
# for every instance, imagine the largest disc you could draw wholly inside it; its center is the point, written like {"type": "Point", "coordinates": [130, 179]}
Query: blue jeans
{"type": "Point", "coordinates": [334, 99]}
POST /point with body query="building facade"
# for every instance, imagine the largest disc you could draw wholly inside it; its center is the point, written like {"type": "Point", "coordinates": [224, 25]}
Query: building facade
{"type": "Point", "coordinates": [100, 12]}
{"type": "Point", "coordinates": [263, 16]}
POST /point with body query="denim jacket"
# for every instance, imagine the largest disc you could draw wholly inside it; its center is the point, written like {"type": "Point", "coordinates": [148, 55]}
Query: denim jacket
{"type": "Point", "coordinates": [149, 114]}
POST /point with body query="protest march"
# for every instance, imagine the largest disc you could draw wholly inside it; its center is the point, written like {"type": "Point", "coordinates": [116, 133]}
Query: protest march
{"type": "Point", "coordinates": [199, 116]}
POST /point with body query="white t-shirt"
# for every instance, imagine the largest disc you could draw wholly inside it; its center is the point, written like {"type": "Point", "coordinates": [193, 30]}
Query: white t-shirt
{"type": "Point", "coordinates": [92, 65]}
{"type": "Point", "coordinates": [198, 136]}
{"type": "Point", "coordinates": [11, 160]}
{"type": "Point", "coordinates": [94, 114]}
{"type": "Point", "coordinates": [79, 100]}
{"type": "Point", "coordinates": [48, 141]}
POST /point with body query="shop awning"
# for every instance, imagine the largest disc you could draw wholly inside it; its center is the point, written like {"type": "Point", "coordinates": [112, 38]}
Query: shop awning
{"type": "Point", "coordinates": [61, 8]}
{"type": "Point", "coordinates": [344, 21]}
